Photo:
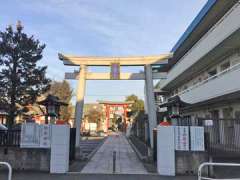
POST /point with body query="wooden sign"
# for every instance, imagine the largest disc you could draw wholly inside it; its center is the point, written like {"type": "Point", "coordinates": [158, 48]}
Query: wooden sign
{"type": "Point", "coordinates": [30, 135]}
{"type": "Point", "coordinates": [71, 75]}
{"type": "Point", "coordinates": [115, 71]}
{"type": "Point", "coordinates": [197, 138]}
{"type": "Point", "coordinates": [181, 138]}
{"type": "Point", "coordinates": [35, 136]}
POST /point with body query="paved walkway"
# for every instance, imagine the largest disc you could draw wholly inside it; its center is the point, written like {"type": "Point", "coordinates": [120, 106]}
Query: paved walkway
{"type": "Point", "coordinates": [46, 176]}
{"type": "Point", "coordinates": [127, 161]}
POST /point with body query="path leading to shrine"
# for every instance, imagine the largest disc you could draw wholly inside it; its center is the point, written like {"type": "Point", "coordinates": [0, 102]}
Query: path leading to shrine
{"type": "Point", "coordinates": [127, 161]}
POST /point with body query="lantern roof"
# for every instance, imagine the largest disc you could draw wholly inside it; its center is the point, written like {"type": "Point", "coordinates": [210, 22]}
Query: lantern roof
{"type": "Point", "coordinates": [53, 100]}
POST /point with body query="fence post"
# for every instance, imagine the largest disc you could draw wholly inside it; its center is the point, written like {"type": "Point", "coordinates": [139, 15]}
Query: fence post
{"type": "Point", "coordinates": [210, 169]}
{"type": "Point", "coordinates": [114, 161]}
{"type": "Point", "coordinates": [155, 144]}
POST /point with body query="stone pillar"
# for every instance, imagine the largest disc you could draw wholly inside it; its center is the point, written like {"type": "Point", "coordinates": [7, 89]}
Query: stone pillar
{"type": "Point", "coordinates": [80, 102]}
{"type": "Point", "coordinates": [151, 106]}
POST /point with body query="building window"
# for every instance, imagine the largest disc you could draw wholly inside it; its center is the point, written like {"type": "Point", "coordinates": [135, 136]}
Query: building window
{"type": "Point", "coordinates": [225, 66]}
{"type": "Point", "coordinates": [212, 72]}
{"type": "Point", "coordinates": [214, 114]}
{"type": "Point", "coordinates": [227, 113]}
{"type": "Point", "coordinates": [237, 114]}
{"type": "Point", "coordinates": [176, 91]}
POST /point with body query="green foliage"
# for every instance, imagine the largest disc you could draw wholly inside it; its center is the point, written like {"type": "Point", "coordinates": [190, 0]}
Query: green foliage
{"type": "Point", "coordinates": [138, 104]}
{"type": "Point", "coordinates": [64, 92]}
{"type": "Point", "coordinates": [21, 79]}
{"type": "Point", "coordinates": [94, 116]}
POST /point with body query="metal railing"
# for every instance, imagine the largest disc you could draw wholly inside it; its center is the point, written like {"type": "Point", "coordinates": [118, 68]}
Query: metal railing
{"type": "Point", "coordinates": [10, 138]}
{"type": "Point", "coordinates": [230, 69]}
{"type": "Point", "coordinates": [221, 136]}
{"type": "Point", "coordinates": [9, 169]}
{"type": "Point", "coordinates": [200, 177]}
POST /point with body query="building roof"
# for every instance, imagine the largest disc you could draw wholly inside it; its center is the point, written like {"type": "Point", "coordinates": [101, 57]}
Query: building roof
{"type": "Point", "coordinates": [215, 102]}
{"type": "Point", "coordinates": [3, 110]}
{"type": "Point", "coordinates": [115, 102]}
{"type": "Point", "coordinates": [50, 99]}
{"type": "Point", "coordinates": [194, 23]}
{"type": "Point", "coordinates": [209, 15]}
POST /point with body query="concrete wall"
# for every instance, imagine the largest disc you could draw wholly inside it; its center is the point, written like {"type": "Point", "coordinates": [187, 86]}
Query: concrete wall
{"type": "Point", "coordinates": [187, 163]}
{"type": "Point", "coordinates": [26, 159]}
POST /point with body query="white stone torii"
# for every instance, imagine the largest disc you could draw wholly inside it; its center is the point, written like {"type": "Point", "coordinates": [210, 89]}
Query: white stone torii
{"type": "Point", "coordinates": [83, 75]}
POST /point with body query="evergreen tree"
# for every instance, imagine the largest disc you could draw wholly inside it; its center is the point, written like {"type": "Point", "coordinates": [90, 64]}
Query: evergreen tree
{"type": "Point", "coordinates": [21, 79]}
{"type": "Point", "coordinates": [64, 92]}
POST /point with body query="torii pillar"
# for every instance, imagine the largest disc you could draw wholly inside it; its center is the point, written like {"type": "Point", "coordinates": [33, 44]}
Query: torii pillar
{"type": "Point", "coordinates": [80, 101]}
{"type": "Point", "coordinates": [151, 106]}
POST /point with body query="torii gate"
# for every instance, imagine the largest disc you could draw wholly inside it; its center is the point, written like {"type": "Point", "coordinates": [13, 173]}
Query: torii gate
{"type": "Point", "coordinates": [115, 63]}
{"type": "Point", "coordinates": [111, 104]}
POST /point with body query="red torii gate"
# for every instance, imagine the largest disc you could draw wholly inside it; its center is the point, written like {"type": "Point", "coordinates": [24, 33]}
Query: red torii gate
{"type": "Point", "coordinates": [109, 104]}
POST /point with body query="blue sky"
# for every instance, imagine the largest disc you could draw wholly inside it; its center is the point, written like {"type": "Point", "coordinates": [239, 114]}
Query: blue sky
{"type": "Point", "coordinates": [102, 28]}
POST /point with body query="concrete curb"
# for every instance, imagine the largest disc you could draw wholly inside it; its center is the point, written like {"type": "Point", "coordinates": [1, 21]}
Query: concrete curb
{"type": "Point", "coordinates": [140, 156]}
{"type": "Point", "coordinates": [96, 149]}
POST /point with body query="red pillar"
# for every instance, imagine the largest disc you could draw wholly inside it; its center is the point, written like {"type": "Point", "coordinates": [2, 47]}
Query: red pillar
{"type": "Point", "coordinates": [125, 118]}
{"type": "Point", "coordinates": [107, 116]}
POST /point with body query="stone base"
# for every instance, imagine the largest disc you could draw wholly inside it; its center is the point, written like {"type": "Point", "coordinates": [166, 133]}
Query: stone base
{"type": "Point", "coordinates": [26, 159]}
{"type": "Point", "coordinates": [187, 163]}
{"type": "Point", "coordinates": [78, 154]}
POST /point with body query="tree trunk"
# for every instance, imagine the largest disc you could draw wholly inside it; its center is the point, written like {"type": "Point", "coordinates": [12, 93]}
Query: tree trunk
{"type": "Point", "coordinates": [12, 108]}
{"type": "Point", "coordinates": [10, 120]}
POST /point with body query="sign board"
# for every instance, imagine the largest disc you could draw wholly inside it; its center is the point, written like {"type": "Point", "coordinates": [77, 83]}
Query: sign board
{"type": "Point", "coordinates": [115, 71]}
{"type": "Point", "coordinates": [45, 136]}
{"type": "Point", "coordinates": [197, 138]}
{"type": "Point", "coordinates": [35, 136]}
{"type": "Point", "coordinates": [71, 75]}
{"type": "Point", "coordinates": [181, 138]}
{"type": "Point", "coordinates": [30, 137]}
{"type": "Point", "coordinates": [208, 122]}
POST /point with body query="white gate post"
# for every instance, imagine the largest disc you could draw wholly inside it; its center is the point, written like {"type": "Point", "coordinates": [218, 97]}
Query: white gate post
{"type": "Point", "coordinates": [166, 150]}
{"type": "Point", "coordinates": [80, 101]}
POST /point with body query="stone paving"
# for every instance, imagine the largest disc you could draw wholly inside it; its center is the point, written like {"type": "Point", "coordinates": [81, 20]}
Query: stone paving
{"type": "Point", "coordinates": [127, 161]}
{"type": "Point", "coordinates": [46, 176]}
{"type": "Point", "coordinates": [88, 145]}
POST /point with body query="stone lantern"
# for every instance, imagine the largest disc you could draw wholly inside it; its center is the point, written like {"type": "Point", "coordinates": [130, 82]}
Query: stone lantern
{"type": "Point", "coordinates": [52, 104]}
